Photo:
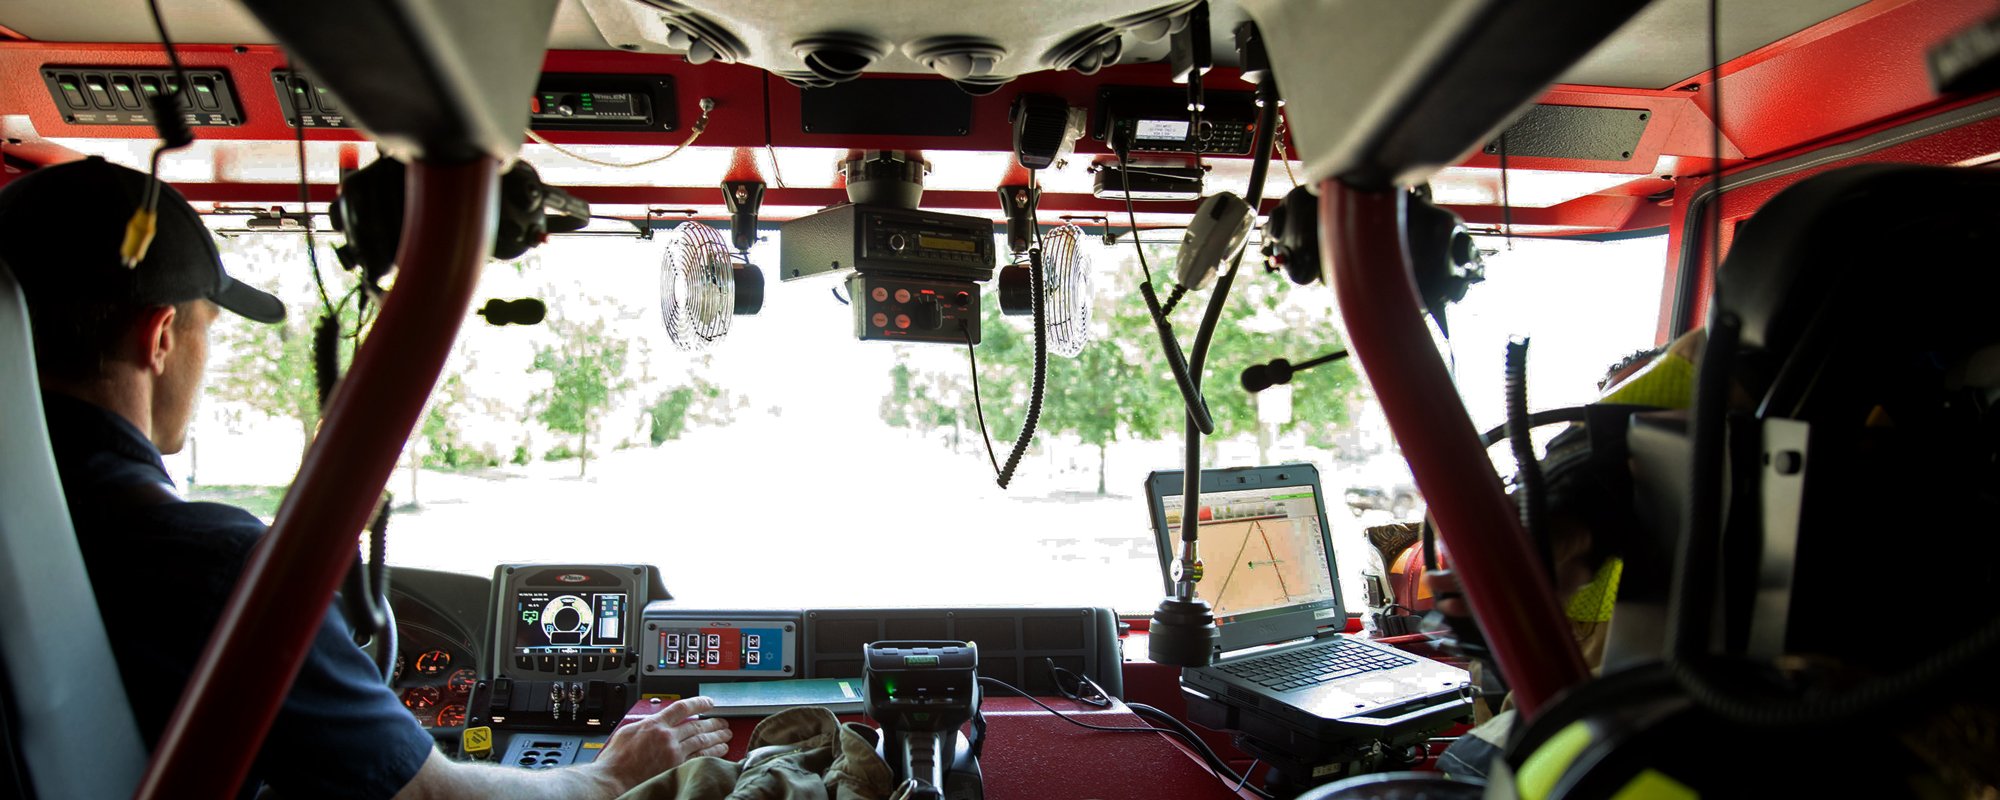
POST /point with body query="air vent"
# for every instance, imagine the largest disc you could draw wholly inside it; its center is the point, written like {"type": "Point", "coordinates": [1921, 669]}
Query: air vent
{"type": "Point", "coordinates": [703, 39]}
{"type": "Point", "coordinates": [839, 57]}
{"type": "Point", "coordinates": [969, 61]}
{"type": "Point", "coordinates": [1098, 46]}
{"type": "Point", "coordinates": [1086, 51]}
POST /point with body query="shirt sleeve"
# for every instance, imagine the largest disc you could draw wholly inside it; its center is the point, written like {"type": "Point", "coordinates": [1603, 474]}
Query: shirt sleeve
{"type": "Point", "coordinates": [341, 732]}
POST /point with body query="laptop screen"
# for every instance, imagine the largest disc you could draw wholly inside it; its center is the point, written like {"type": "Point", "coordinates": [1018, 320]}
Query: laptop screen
{"type": "Point", "coordinates": [1264, 550]}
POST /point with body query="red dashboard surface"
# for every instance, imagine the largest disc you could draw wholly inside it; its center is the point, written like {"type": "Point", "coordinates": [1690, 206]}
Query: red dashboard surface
{"type": "Point", "coordinates": [1032, 755]}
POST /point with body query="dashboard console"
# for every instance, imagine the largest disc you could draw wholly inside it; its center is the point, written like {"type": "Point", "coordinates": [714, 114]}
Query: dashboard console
{"type": "Point", "coordinates": [561, 669]}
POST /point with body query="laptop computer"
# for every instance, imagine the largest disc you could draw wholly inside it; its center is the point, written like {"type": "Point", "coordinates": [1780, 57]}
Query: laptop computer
{"type": "Point", "coordinates": [1270, 576]}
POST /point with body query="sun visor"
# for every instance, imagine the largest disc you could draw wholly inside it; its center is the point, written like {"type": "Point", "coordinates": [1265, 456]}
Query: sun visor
{"type": "Point", "coordinates": [443, 80]}
{"type": "Point", "coordinates": [1387, 93]}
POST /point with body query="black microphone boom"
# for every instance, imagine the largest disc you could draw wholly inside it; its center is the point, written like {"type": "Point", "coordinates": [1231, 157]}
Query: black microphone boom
{"type": "Point", "coordinates": [1279, 371]}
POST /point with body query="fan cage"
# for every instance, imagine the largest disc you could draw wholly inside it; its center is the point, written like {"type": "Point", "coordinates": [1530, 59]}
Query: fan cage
{"type": "Point", "coordinates": [1066, 290]}
{"type": "Point", "coordinates": [697, 287]}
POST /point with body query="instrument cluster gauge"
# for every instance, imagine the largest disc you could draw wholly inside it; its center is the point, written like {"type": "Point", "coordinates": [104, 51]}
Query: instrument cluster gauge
{"type": "Point", "coordinates": [451, 716]}
{"type": "Point", "coordinates": [402, 662]}
{"type": "Point", "coordinates": [418, 698]}
{"type": "Point", "coordinates": [461, 681]}
{"type": "Point", "coordinates": [433, 662]}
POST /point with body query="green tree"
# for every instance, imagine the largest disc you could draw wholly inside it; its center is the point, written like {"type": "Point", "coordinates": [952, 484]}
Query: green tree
{"type": "Point", "coordinates": [586, 368]}
{"type": "Point", "coordinates": [701, 402]}
{"type": "Point", "coordinates": [1120, 386]}
{"type": "Point", "coordinates": [270, 367]}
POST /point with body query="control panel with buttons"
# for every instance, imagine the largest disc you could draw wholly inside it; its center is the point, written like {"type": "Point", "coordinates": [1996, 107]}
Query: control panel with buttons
{"type": "Point", "coordinates": [593, 102]}
{"type": "Point", "coordinates": [118, 96]}
{"type": "Point", "coordinates": [690, 644]}
{"type": "Point", "coordinates": [300, 95]}
{"type": "Point", "coordinates": [898, 308]}
{"type": "Point", "coordinates": [881, 239]}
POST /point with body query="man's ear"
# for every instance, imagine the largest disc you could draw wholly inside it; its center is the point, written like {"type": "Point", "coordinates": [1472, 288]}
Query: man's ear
{"type": "Point", "coordinates": [157, 338]}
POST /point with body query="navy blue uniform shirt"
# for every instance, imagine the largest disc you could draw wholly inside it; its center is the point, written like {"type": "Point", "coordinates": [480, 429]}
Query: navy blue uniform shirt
{"type": "Point", "coordinates": [162, 573]}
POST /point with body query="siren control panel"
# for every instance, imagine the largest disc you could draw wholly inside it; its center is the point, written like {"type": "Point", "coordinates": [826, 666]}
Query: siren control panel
{"type": "Point", "coordinates": [896, 308]}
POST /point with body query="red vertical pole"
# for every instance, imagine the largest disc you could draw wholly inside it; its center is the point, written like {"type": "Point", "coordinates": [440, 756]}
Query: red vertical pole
{"type": "Point", "coordinates": [275, 611]}
{"type": "Point", "coordinates": [1368, 267]}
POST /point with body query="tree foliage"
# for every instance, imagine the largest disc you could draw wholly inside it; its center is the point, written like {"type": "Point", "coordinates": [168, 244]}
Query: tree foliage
{"type": "Point", "coordinates": [586, 368]}
{"type": "Point", "coordinates": [699, 403]}
{"type": "Point", "coordinates": [1120, 386]}
{"type": "Point", "coordinates": [271, 369]}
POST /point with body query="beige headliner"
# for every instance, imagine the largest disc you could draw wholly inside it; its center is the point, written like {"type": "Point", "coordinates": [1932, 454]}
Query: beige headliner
{"type": "Point", "coordinates": [1664, 46]}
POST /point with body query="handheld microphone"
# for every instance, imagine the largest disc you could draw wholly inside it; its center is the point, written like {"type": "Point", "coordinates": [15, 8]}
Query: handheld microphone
{"type": "Point", "coordinates": [525, 311]}
{"type": "Point", "coordinates": [1279, 371]}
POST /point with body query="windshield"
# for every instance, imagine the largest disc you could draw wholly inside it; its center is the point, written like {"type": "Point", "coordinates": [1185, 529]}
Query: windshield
{"type": "Point", "coordinates": [791, 465]}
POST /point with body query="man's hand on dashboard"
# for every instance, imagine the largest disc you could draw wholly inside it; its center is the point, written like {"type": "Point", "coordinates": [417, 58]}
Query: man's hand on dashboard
{"type": "Point", "coordinates": [648, 746]}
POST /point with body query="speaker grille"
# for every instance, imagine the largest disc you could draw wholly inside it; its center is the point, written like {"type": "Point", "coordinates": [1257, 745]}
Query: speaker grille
{"type": "Point", "coordinates": [1015, 645]}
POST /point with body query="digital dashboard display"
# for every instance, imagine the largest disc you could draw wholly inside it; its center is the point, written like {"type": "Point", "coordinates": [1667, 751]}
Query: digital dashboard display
{"type": "Point", "coordinates": [720, 649]}
{"type": "Point", "coordinates": [942, 243]}
{"type": "Point", "coordinates": [569, 622]}
{"type": "Point", "coordinates": [1157, 129]}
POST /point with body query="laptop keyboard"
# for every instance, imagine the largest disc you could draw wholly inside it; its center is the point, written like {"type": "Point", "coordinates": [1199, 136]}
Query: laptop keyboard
{"type": "Point", "coordinates": [1314, 665]}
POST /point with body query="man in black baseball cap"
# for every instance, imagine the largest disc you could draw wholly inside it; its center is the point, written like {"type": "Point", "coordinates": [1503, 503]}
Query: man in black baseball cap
{"type": "Point", "coordinates": [120, 354]}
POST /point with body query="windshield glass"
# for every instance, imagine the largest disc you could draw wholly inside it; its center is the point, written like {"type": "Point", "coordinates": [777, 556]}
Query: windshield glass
{"type": "Point", "coordinates": [791, 465]}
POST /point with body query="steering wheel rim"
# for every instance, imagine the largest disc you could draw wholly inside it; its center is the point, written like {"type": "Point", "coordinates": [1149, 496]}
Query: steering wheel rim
{"type": "Point", "coordinates": [383, 646]}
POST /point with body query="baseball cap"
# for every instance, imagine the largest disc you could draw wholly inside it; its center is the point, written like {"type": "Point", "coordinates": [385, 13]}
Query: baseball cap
{"type": "Point", "coordinates": [61, 227]}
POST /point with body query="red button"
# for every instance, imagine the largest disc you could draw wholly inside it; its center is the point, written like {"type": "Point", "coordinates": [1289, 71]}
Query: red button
{"type": "Point", "coordinates": [881, 320]}
{"type": "Point", "coordinates": [902, 295]}
{"type": "Point", "coordinates": [880, 294]}
{"type": "Point", "coordinates": [902, 320]}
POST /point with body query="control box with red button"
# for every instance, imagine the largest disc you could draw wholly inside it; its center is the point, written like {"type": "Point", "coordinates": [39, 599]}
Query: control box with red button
{"type": "Point", "coordinates": [117, 95]}
{"type": "Point", "coordinates": [896, 308]}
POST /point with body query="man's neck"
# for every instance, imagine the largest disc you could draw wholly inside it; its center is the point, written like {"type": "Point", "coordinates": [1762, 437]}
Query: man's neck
{"type": "Point", "coordinates": [122, 395]}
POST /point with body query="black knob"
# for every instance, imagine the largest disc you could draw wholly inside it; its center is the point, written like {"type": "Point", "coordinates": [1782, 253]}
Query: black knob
{"type": "Point", "coordinates": [897, 242]}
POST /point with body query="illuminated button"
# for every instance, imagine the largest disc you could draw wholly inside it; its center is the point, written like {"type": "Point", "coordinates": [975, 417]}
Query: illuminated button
{"type": "Point", "coordinates": [902, 295]}
{"type": "Point", "coordinates": [692, 657]}
{"type": "Point", "coordinates": [204, 93]}
{"type": "Point", "coordinates": [880, 294]}
{"type": "Point", "coordinates": [591, 663]}
{"type": "Point", "coordinates": [673, 641]}
{"type": "Point", "coordinates": [880, 319]}
{"type": "Point", "coordinates": [753, 641]}
{"type": "Point", "coordinates": [149, 85]}
{"type": "Point", "coordinates": [72, 92]}
{"type": "Point", "coordinates": [754, 658]}
{"type": "Point", "coordinates": [671, 657]}
{"type": "Point", "coordinates": [121, 88]}
{"type": "Point", "coordinates": [100, 96]}
{"type": "Point", "coordinates": [545, 663]}
{"type": "Point", "coordinates": [903, 321]}
{"type": "Point", "coordinates": [714, 657]}
{"type": "Point", "coordinates": [524, 662]}
{"type": "Point", "coordinates": [714, 641]}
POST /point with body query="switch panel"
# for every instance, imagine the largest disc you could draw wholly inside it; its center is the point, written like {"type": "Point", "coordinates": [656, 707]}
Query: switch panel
{"type": "Point", "coordinates": [904, 309]}
{"type": "Point", "coordinates": [298, 92]}
{"type": "Point", "coordinates": [118, 96]}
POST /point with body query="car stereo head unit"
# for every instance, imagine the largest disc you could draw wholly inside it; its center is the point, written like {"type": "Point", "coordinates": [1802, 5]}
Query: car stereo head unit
{"type": "Point", "coordinates": [885, 239]}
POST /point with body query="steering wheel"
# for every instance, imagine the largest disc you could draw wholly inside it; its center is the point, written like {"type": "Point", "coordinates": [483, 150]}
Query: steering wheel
{"type": "Point", "coordinates": [371, 616]}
